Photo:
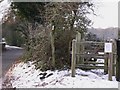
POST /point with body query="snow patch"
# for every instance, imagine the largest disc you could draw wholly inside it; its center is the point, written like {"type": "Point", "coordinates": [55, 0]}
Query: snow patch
{"type": "Point", "coordinates": [0, 83]}
{"type": "Point", "coordinates": [8, 47]}
{"type": "Point", "coordinates": [24, 75]}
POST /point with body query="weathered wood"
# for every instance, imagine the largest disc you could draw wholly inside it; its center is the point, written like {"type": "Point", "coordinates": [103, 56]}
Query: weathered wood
{"type": "Point", "coordinates": [93, 63]}
{"type": "Point", "coordinates": [110, 66]}
{"type": "Point", "coordinates": [106, 65]}
{"type": "Point", "coordinates": [99, 56]}
{"type": "Point", "coordinates": [118, 61]}
{"type": "Point", "coordinates": [73, 58]}
{"type": "Point", "coordinates": [78, 39]}
{"type": "Point", "coordinates": [82, 50]}
{"type": "Point", "coordinates": [92, 42]}
{"type": "Point", "coordinates": [93, 51]}
{"type": "Point", "coordinates": [82, 66]}
{"type": "Point", "coordinates": [114, 57]}
{"type": "Point", "coordinates": [90, 54]}
{"type": "Point", "coordinates": [53, 48]}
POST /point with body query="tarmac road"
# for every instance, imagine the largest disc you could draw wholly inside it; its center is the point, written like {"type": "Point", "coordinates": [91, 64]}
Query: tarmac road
{"type": "Point", "coordinates": [9, 56]}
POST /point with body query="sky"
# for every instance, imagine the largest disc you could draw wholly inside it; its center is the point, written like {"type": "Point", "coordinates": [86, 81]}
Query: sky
{"type": "Point", "coordinates": [107, 14]}
{"type": "Point", "coordinates": [106, 10]}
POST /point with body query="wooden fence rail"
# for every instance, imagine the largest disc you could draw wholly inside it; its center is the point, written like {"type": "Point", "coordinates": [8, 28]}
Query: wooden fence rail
{"type": "Point", "coordinates": [79, 54]}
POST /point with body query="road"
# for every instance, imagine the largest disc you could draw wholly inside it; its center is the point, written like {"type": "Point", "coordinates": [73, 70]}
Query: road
{"type": "Point", "coordinates": [9, 56]}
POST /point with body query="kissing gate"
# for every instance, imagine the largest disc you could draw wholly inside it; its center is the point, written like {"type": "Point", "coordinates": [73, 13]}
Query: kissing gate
{"type": "Point", "coordinates": [88, 55]}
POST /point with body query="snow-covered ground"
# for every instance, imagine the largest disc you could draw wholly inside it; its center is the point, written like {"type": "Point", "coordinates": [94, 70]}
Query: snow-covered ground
{"type": "Point", "coordinates": [10, 47]}
{"type": "Point", "coordinates": [0, 82]}
{"type": "Point", "coordinates": [24, 75]}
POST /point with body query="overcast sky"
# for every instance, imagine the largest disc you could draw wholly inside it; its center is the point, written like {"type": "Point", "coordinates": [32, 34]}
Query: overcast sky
{"type": "Point", "coordinates": [107, 14]}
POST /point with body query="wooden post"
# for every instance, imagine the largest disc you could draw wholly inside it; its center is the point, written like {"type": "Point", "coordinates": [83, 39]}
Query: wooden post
{"type": "Point", "coordinates": [82, 50]}
{"type": "Point", "coordinates": [110, 65]}
{"type": "Point", "coordinates": [52, 47]}
{"type": "Point", "coordinates": [106, 64]}
{"type": "Point", "coordinates": [109, 49]}
{"type": "Point", "coordinates": [114, 57]}
{"type": "Point", "coordinates": [73, 63]}
{"type": "Point", "coordinates": [118, 61]}
{"type": "Point", "coordinates": [78, 39]}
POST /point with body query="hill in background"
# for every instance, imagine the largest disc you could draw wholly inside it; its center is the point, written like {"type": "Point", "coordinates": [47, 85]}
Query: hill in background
{"type": "Point", "coordinates": [108, 33]}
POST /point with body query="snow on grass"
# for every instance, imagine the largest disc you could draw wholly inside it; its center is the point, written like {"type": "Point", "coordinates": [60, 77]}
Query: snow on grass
{"type": "Point", "coordinates": [24, 75]}
{"type": "Point", "coordinates": [0, 83]}
{"type": "Point", "coordinates": [100, 61]}
{"type": "Point", "coordinates": [9, 47]}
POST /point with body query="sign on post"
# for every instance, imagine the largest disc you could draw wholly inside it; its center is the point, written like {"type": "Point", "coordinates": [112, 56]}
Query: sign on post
{"type": "Point", "coordinates": [108, 48]}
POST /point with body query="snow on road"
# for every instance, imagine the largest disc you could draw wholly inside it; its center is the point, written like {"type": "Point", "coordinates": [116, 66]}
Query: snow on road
{"type": "Point", "coordinates": [9, 47]}
{"type": "Point", "coordinates": [24, 75]}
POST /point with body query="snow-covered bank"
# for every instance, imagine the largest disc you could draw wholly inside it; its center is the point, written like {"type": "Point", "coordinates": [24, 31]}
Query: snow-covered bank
{"type": "Point", "coordinates": [9, 47]}
{"type": "Point", "coordinates": [0, 83]}
{"type": "Point", "coordinates": [24, 75]}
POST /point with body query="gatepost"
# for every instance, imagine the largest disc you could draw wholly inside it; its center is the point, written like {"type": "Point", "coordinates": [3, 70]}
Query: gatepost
{"type": "Point", "coordinates": [108, 49]}
{"type": "Point", "coordinates": [118, 61]}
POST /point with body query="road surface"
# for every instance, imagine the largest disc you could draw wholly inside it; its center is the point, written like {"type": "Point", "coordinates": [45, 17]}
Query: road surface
{"type": "Point", "coordinates": [9, 56]}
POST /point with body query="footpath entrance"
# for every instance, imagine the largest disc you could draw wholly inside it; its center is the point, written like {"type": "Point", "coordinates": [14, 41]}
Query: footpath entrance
{"type": "Point", "coordinates": [89, 55]}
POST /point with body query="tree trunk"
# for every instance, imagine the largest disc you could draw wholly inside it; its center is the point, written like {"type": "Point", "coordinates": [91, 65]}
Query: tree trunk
{"type": "Point", "coordinates": [53, 48]}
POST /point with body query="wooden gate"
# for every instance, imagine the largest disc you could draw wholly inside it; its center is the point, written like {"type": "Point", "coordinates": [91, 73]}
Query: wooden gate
{"type": "Point", "coordinates": [91, 55]}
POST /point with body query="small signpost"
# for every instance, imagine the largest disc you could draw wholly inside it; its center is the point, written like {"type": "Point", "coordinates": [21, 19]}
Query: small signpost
{"type": "Point", "coordinates": [108, 50]}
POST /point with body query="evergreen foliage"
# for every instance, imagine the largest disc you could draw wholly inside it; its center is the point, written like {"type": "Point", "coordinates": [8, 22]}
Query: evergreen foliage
{"type": "Point", "coordinates": [41, 39]}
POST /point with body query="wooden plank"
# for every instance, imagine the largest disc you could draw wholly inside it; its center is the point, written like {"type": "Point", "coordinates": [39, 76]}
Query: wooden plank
{"type": "Point", "coordinates": [92, 63]}
{"type": "Point", "coordinates": [93, 55]}
{"type": "Point", "coordinates": [90, 54]}
{"type": "Point", "coordinates": [90, 67]}
{"type": "Point", "coordinates": [91, 50]}
{"type": "Point", "coordinates": [73, 63]}
{"type": "Point", "coordinates": [92, 42]}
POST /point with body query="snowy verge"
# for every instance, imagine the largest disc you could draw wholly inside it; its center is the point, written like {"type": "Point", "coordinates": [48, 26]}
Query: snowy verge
{"type": "Point", "coordinates": [0, 83]}
{"type": "Point", "coordinates": [24, 75]}
{"type": "Point", "coordinates": [8, 47]}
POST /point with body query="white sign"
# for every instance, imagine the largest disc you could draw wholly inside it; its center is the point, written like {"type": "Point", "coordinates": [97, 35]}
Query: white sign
{"type": "Point", "coordinates": [108, 47]}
